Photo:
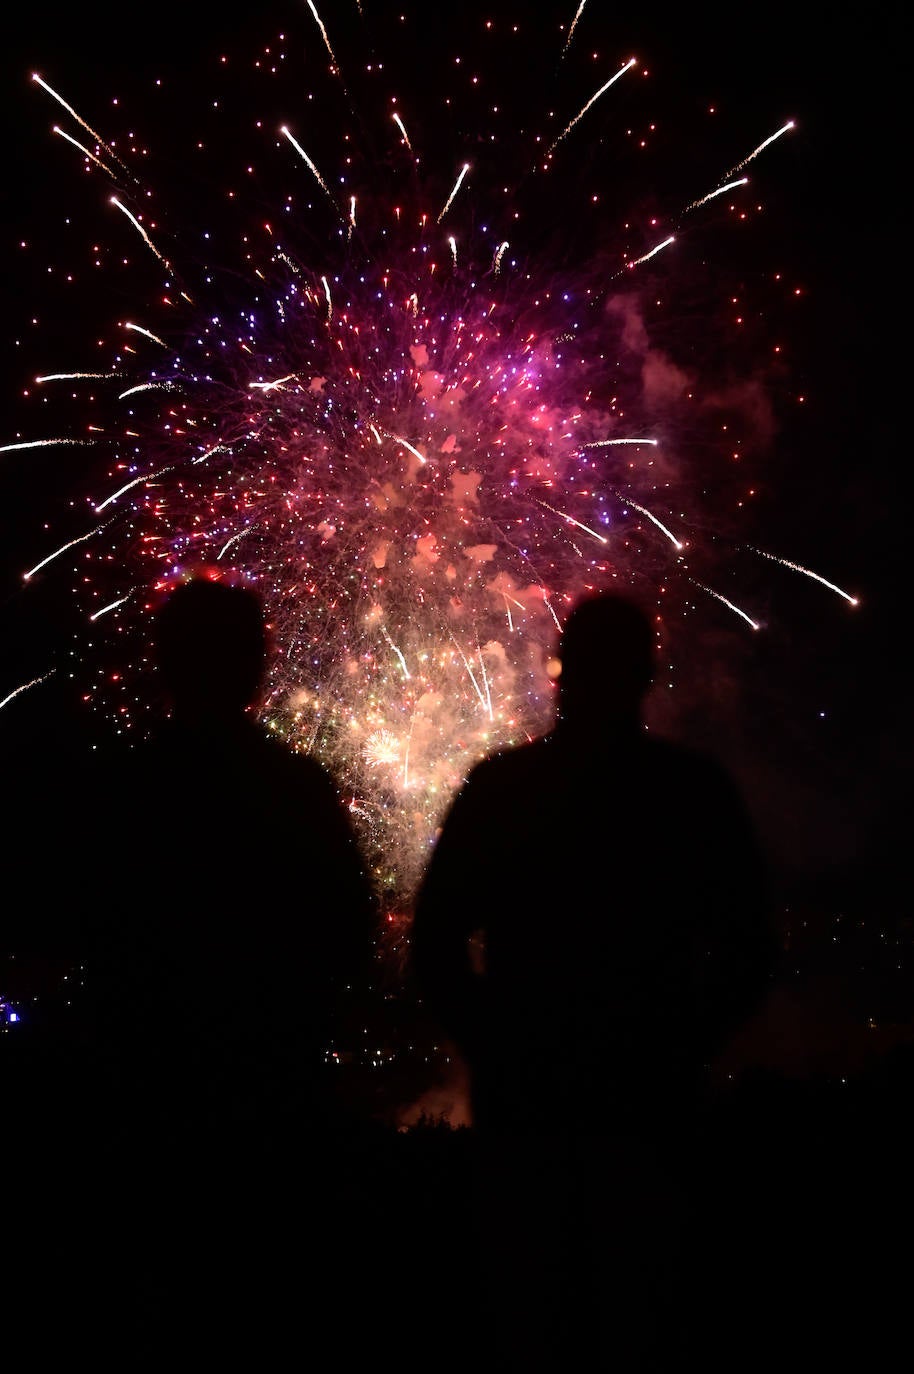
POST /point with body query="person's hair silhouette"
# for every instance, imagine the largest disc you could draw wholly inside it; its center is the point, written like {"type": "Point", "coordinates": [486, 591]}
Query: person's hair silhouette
{"type": "Point", "coordinates": [211, 647]}
{"type": "Point", "coordinates": [607, 663]}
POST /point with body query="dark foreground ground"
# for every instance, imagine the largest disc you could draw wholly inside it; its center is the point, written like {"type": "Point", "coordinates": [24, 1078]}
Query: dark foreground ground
{"type": "Point", "coordinates": [773, 1232]}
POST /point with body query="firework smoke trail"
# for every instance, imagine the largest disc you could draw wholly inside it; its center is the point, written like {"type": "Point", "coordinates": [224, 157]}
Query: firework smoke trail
{"type": "Point", "coordinates": [400, 448]}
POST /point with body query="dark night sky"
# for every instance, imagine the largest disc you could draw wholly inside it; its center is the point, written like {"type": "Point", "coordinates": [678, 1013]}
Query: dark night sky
{"type": "Point", "coordinates": [826, 790]}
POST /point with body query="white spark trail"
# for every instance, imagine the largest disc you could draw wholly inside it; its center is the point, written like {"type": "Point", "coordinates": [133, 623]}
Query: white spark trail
{"type": "Point", "coordinates": [608, 443]}
{"type": "Point", "coordinates": [73, 376]}
{"type": "Point", "coordinates": [602, 91]}
{"type": "Point", "coordinates": [791, 124]}
{"type": "Point", "coordinates": [806, 572]}
{"type": "Point", "coordinates": [81, 539]}
{"type": "Point", "coordinates": [138, 329]}
{"type": "Point", "coordinates": [499, 254]}
{"type": "Point", "coordinates": [730, 186]}
{"type": "Point", "coordinates": [398, 652]}
{"type": "Point", "coordinates": [42, 443]}
{"type": "Point", "coordinates": [571, 521]}
{"type": "Point", "coordinates": [311, 167]}
{"type": "Point", "coordinates": [574, 24]}
{"type": "Point", "coordinates": [659, 523]}
{"type": "Point", "coordinates": [85, 151]}
{"type": "Point", "coordinates": [234, 540]}
{"type": "Point", "coordinates": [466, 664]}
{"type": "Point", "coordinates": [406, 444]}
{"type": "Point", "coordinates": [326, 286]}
{"type": "Point", "coordinates": [79, 119]}
{"type": "Point", "coordinates": [146, 386]}
{"type": "Point", "coordinates": [273, 386]}
{"type": "Point", "coordinates": [660, 246]}
{"type": "Point", "coordinates": [142, 232]}
{"type": "Point", "coordinates": [112, 606]}
{"type": "Point", "coordinates": [447, 204]}
{"type": "Point", "coordinates": [718, 596]}
{"type": "Point", "coordinates": [134, 482]}
{"type": "Point", "coordinates": [402, 127]}
{"type": "Point", "coordinates": [24, 687]}
{"type": "Point", "coordinates": [452, 243]}
{"type": "Point", "coordinates": [217, 448]}
{"type": "Point", "coordinates": [320, 25]}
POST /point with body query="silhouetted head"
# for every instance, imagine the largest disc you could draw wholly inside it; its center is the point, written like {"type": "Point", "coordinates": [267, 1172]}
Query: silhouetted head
{"type": "Point", "coordinates": [211, 647]}
{"type": "Point", "coordinates": [607, 657]}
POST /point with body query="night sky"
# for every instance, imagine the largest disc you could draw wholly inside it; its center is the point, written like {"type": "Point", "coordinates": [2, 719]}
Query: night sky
{"type": "Point", "coordinates": [811, 712]}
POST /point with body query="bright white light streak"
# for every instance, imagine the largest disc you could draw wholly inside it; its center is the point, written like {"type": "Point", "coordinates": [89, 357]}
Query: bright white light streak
{"type": "Point", "coordinates": [326, 286]}
{"type": "Point", "coordinates": [79, 119]}
{"type": "Point", "coordinates": [74, 376]}
{"type": "Point", "coordinates": [499, 254]}
{"type": "Point", "coordinates": [730, 186]}
{"type": "Point", "coordinates": [660, 246]}
{"type": "Point", "coordinates": [217, 448]}
{"type": "Point", "coordinates": [574, 24]}
{"type": "Point", "coordinates": [146, 386]}
{"type": "Point", "coordinates": [472, 675]}
{"type": "Point", "coordinates": [447, 204]}
{"type": "Point", "coordinates": [229, 542]}
{"type": "Point", "coordinates": [81, 539]}
{"type": "Point", "coordinates": [142, 232]}
{"type": "Point", "coordinates": [406, 444]}
{"type": "Point", "coordinates": [24, 687]}
{"type": "Point", "coordinates": [609, 443]}
{"type": "Point", "coordinates": [135, 482]}
{"type": "Point", "coordinates": [659, 523]}
{"type": "Point", "coordinates": [571, 521]}
{"type": "Point", "coordinates": [485, 679]}
{"type": "Point", "coordinates": [755, 151]}
{"type": "Point", "coordinates": [320, 25]}
{"type": "Point", "coordinates": [351, 216]}
{"type": "Point", "coordinates": [398, 652]}
{"type": "Point", "coordinates": [42, 443]}
{"type": "Point", "coordinates": [138, 329]}
{"type": "Point", "coordinates": [86, 152]}
{"type": "Point", "coordinates": [452, 243]}
{"type": "Point", "coordinates": [273, 386]}
{"type": "Point", "coordinates": [311, 167]}
{"type": "Point", "coordinates": [558, 624]}
{"type": "Point", "coordinates": [112, 606]}
{"type": "Point", "coordinates": [806, 572]}
{"type": "Point", "coordinates": [593, 99]}
{"type": "Point", "coordinates": [729, 604]}
{"type": "Point", "coordinates": [402, 127]}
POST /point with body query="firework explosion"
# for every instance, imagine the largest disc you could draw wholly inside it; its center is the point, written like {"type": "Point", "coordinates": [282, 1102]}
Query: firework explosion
{"type": "Point", "coordinates": [414, 434]}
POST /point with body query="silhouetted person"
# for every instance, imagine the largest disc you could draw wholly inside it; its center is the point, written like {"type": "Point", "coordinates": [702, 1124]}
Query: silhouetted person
{"type": "Point", "coordinates": [241, 911]}
{"type": "Point", "coordinates": [223, 910]}
{"type": "Point", "coordinates": [590, 930]}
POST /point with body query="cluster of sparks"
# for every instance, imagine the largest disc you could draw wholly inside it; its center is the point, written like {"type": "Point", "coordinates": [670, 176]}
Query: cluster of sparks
{"type": "Point", "coordinates": [412, 447]}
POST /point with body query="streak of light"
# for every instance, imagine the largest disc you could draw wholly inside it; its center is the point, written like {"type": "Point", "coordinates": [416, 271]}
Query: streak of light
{"type": "Point", "coordinates": [142, 232]}
{"type": "Point", "coordinates": [571, 521]}
{"type": "Point", "coordinates": [24, 687]}
{"type": "Point", "coordinates": [447, 204]}
{"type": "Point", "coordinates": [806, 572]}
{"type": "Point", "coordinates": [593, 99]}
{"type": "Point", "coordinates": [659, 523]}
